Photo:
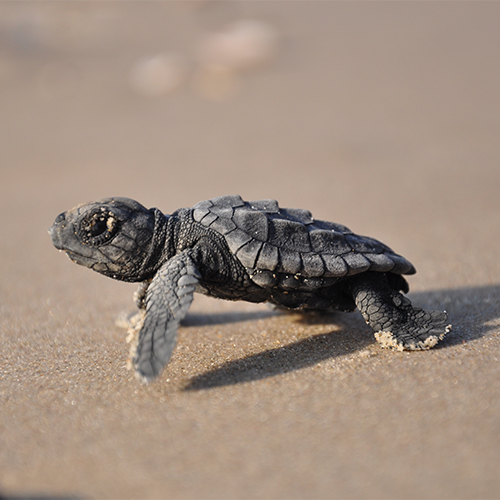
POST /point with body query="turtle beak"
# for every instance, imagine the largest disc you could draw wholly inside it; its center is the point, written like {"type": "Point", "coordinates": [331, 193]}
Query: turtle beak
{"type": "Point", "coordinates": [55, 231]}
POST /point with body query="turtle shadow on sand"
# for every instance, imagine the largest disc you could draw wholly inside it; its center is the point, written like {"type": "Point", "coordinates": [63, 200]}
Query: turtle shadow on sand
{"type": "Point", "coordinates": [37, 497]}
{"type": "Point", "coordinates": [222, 318]}
{"type": "Point", "coordinates": [300, 354]}
{"type": "Point", "coordinates": [470, 309]}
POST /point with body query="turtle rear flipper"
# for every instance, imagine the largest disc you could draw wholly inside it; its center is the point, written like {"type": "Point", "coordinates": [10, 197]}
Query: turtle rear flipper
{"type": "Point", "coordinates": [397, 324]}
{"type": "Point", "coordinates": [167, 300]}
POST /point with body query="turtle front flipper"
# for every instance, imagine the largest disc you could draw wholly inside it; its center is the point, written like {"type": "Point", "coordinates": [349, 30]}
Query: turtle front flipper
{"type": "Point", "coordinates": [167, 300]}
{"type": "Point", "coordinates": [397, 324]}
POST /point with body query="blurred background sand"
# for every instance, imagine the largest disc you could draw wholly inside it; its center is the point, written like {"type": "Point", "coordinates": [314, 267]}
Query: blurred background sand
{"type": "Point", "coordinates": [383, 116]}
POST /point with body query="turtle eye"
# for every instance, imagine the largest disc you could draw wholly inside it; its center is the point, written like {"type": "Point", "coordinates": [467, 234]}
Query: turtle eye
{"type": "Point", "coordinates": [98, 228]}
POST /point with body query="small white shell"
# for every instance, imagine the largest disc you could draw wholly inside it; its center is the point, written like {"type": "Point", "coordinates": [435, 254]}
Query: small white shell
{"type": "Point", "coordinates": [158, 75]}
{"type": "Point", "coordinates": [245, 44]}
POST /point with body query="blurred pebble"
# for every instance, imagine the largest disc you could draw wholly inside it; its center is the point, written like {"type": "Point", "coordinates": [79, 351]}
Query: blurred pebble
{"type": "Point", "coordinates": [243, 45]}
{"type": "Point", "coordinates": [216, 83]}
{"type": "Point", "coordinates": [158, 75]}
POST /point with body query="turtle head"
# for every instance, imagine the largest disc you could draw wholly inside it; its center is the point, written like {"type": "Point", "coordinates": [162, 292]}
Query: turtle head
{"type": "Point", "coordinates": [117, 237]}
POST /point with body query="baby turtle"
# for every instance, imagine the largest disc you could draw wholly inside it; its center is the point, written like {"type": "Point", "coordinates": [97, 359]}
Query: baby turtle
{"type": "Point", "coordinates": [237, 250]}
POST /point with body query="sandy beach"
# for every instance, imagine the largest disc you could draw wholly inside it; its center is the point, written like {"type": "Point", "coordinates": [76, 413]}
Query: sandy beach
{"type": "Point", "coordinates": [383, 116]}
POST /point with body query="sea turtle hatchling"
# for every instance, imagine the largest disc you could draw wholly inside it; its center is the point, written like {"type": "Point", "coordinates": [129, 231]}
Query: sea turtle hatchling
{"type": "Point", "coordinates": [237, 250]}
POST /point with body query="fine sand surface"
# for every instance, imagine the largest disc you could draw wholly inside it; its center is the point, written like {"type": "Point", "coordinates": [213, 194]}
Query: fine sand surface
{"type": "Point", "coordinates": [383, 116]}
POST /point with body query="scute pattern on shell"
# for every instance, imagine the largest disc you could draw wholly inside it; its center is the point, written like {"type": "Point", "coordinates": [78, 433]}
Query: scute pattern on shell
{"type": "Point", "coordinates": [270, 240]}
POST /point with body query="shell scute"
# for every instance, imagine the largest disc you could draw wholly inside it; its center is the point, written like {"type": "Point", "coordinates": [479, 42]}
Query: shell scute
{"type": "Point", "coordinates": [364, 244]}
{"type": "Point", "coordinates": [264, 278]}
{"type": "Point", "coordinates": [208, 219]}
{"type": "Point", "coordinates": [289, 281]}
{"type": "Point", "coordinates": [298, 214]}
{"type": "Point", "coordinates": [313, 265]}
{"type": "Point", "coordinates": [203, 204]}
{"type": "Point", "coordinates": [335, 265]}
{"type": "Point", "coordinates": [253, 222]}
{"type": "Point", "coordinates": [290, 261]}
{"type": "Point", "coordinates": [199, 213]}
{"type": "Point", "coordinates": [267, 206]}
{"type": "Point", "coordinates": [401, 265]}
{"type": "Point", "coordinates": [328, 241]}
{"type": "Point", "coordinates": [248, 253]}
{"type": "Point", "coordinates": [229, 200]}
{"type": "Point", "coordinates": [268, 258]}
{"type": "Point", "coordinates": [236, 239]}
{"type": "Point", "coordinates": [222, 211]}
{"type": "Point", "coordinates": [288, 234]}
{"type": "Point", "coordinates": [356, 262]}
{"type": "Point", "coordinates": [331, 226]}
{"type": "Point", "coordinates": [223, 225]}
{"type": "Point", "coordinates": [380, 262]}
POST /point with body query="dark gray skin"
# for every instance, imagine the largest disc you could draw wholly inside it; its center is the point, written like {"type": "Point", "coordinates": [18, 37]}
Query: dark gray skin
{"type": "Point", "coordinates": [237, 250]}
